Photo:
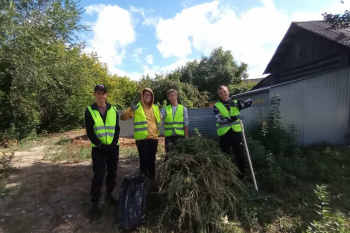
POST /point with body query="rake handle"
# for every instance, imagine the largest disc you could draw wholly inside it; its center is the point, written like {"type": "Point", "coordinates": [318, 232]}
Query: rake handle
{"type": "Point", "coordinates": [249, 160]}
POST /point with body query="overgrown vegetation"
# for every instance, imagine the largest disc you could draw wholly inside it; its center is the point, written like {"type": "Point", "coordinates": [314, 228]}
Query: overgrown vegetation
{"type": "Point", "coordinates": [6, 161]}
{"type": "Point", "coordinates": [328, 220]}
{"type": "Point", "coordinates": [285, 168]}
{"type": "Point", "coordinates": [5, 168]}
{"type": "Point", "coordinates": [293, 177]}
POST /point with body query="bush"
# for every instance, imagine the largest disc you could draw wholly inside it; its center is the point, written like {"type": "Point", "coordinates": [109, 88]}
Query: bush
{"type": "Point", "coordinates": [6, 162]}
{"type": "Point", "coordinates": [269, 173]}
{"type": "Point", "coordinates": [271, 133]}
{"type": "Point", "coordinates": [327, 163]}
{"type": "Point", "coordinates": [199, 186]}
{"type": "Point", "coordinates": [5, 167]}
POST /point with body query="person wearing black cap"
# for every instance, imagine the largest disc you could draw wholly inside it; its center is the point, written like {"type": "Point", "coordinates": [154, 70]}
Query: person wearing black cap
{"type": "Point", "coordinates": [102, 128]}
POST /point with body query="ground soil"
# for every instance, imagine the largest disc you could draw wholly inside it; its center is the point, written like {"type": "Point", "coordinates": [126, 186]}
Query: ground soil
{"type": "Point", "coordinates": [54, 197]}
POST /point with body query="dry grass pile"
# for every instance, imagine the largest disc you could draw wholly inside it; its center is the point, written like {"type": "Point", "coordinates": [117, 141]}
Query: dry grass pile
{"type": "Point", "coordinates": [199, 188]}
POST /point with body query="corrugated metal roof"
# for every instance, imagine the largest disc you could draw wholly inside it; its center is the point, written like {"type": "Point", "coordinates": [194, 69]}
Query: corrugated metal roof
{"type": "Point", "coordinates": [321, 28]}
{"type": "Point", "coordinates": [324, 29]}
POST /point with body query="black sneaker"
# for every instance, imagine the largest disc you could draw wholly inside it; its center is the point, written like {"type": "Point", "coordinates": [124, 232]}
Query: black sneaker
{"type": "Point", "coordinates": [94, 212]}
{"type": "Point", "coordinates": [111, 200]}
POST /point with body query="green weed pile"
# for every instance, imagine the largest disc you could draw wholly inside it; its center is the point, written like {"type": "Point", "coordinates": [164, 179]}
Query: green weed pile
{"type": "Point", "coordinates": [199, 187]}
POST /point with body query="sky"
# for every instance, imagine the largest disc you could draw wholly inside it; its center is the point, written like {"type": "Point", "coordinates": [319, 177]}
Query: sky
{"type": "Point", "coordinates": [139, 37]}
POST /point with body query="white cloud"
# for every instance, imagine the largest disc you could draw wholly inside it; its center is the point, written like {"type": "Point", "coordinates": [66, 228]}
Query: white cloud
{"type": "Point", "coordinates": [136, 54]}
{"type": "Point", "coordinates": [112, 32]}
{"type": "Point", "coordinates": [138, 50]}
{"type": "Point", "coordinates": [179, 63]}
{"type": "Point", "coordinates": [252, 36]}
{"type": "Point", "coordinates": [152, 21]}
{"type": "Point", "coordinates": [174, 33]}
{"type": "Point", "coordinates": [138, 10]}
{"type": "Point", "coordinates": [151, 71]}
{"type": "Point", "coordinates": [149, 59]}
{"type": "Point", "coordinates": [147, 20]}
{"type": "Point", "coordinates": [134, 76]}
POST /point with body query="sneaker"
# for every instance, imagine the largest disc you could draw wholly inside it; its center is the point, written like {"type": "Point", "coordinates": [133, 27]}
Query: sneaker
{"type": "Point", "coordinates": [111, 200]}
{"type": "Point", "coordinates": [94, 212]}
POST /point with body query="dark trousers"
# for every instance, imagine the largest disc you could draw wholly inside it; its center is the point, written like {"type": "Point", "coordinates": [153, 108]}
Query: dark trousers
{"type": "Point", "coordinates": [102, 162]}
{"type": "Point", "coordinates": [147, 153]}
{"type": "Point", "coordinates": [234, 140]}
{"type": "Point", "coordinates": [170, 141]}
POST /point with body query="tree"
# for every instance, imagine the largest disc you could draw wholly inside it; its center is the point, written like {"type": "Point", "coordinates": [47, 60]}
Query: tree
{"type": "Point", "coordinates": [188, 94]}
{"type": "Point", "coordinates": [338, 21]}
{"type": "Point", "coordinates": [219, 68]}
{"type": "Point", "coordinates": [35, 60]}
{"type": "Point", "coordinates": [125, 91]}
{"type": "Point", "coordinates": [241, 87]}
{"type": "Point", "coordinates": [188, 72]}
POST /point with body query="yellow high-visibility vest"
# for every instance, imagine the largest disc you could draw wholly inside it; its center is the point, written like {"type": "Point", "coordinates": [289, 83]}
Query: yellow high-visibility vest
{"type": "Point", "coordinates": [104, 131]}
{"type": "Point", "coordinates": [175, 124]}
{"type": "Point", "coordinates": [223, 128]}
{"type": "Point", "coordinates": [140, 121]}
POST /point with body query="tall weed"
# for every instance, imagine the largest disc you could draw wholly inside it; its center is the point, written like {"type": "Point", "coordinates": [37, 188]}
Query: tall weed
{"type": "Point", "coordinates": [328, 220]}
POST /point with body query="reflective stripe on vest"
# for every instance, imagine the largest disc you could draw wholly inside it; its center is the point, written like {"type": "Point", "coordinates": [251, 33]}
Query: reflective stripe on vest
{"type": "Point", "coordinates": [104, 131]}
{"type": "Point", "coordinates": [175, 124]}
{"type": "Point", "coordinates": [140, 122]}
{"type": "Point", "coordinates": [221, 129]}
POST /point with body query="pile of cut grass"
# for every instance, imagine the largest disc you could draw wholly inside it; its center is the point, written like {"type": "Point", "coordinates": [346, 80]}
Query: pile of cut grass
{"type": "Point", "coordinates": [199, 187]}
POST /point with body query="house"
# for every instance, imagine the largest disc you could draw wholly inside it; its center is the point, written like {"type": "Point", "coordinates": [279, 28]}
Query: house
{"type": "Point", "coordinates": [310, 72]}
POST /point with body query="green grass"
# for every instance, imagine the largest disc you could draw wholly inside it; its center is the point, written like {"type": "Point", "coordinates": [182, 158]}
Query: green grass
{"type": "Point", "coordinates": [69, 152]}
{"type": "Point", "coordinates": [4, 192]}
{"type": "Point", "coordinates": [30, 142]}
{"type": "Point", "coordinates": [129, 152]}
{"type": "Point", "coordinates": [64, 141]}
{"type": "Point", "coordinates": [291, 178]}
{"type": "Point", "coordinates": [161, 152]}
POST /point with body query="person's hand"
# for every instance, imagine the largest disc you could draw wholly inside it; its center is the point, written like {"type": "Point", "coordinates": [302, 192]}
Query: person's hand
{"type": "Point", "coordinates": [134, 105]}
{"type": "Point", "coordinates": [113, 147]}
{"type": "Point", "coordinates": [232, 103]}
{"type": "Point", "coordinates": [248, 102]}
{"type": "Point", "coordinates": [103, 147]}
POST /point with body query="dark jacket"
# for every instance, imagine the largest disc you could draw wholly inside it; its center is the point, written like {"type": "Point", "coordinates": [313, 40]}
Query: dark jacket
{"type": "Point", "coordinates": [89, 124]}
{"type": "Point", "coordinates": [241, 104]}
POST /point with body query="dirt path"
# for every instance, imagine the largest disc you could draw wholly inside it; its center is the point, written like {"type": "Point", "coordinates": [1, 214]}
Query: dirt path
{"type": "Point", "coordinates": [54, 197]}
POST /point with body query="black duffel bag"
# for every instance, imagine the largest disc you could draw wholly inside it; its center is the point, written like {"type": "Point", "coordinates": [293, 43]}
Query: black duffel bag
{"type": "Point", "coordinates": [132, 201]}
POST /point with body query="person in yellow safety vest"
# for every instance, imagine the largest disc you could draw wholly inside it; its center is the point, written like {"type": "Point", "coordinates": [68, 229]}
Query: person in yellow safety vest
{"type": "Point", "coordinates": [227, 112]}
{"type": "Point", "coordinates": [147, 121]}
{"type": "Point", "coordinates": [102, 128]}
{"type": "Point", "coordinates": [175, 120]}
